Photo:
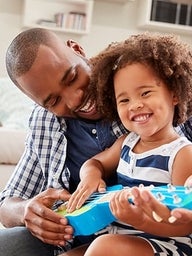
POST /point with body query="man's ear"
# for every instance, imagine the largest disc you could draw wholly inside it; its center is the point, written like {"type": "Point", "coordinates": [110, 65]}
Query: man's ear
{"type": "Point", "coordinates": [76, 47]}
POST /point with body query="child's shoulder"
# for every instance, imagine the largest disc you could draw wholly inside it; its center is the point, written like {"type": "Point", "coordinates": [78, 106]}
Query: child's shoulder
{"type": "Point", "coordinates": [131, 138]}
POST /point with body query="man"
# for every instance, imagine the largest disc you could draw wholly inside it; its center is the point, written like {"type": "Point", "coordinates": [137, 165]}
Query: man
{"type": "Point", "coordinates": [65, 130]}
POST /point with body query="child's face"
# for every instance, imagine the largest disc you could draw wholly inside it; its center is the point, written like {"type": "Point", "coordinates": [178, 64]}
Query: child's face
{"type": "Point", "coordinates": [144, 103]}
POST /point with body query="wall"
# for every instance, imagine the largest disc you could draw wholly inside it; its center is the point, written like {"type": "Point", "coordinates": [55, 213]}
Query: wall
{"type": "Point", "coordinates": [10, 25]}
{"type": "Point", "coordinates": [110, 22]}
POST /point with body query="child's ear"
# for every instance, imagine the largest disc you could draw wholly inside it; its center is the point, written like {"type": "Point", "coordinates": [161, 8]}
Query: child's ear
{"type": "Point", "coordinates": [175, 100]}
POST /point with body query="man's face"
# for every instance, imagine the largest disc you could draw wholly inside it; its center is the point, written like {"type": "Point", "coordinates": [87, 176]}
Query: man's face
{"type": "Point", "coordinates": [59, 81]}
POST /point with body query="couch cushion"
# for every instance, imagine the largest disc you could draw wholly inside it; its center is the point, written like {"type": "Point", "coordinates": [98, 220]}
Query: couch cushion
{"type": "Point", "coordinates": [6, 171]}
{"type": "Point", "coordinates": [12, 143]}
{"type": "Point", "coordinates": [15, 109]}
{"type": "Point", "coordinates": [15, 106]}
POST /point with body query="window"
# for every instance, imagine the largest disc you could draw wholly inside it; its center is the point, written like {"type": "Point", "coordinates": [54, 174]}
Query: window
{"type": "Point", "coordinates": [174, 12]}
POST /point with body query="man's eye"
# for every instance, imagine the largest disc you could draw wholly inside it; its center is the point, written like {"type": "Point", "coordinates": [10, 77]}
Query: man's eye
{"type": "Point", "coordinates": [53, 102]}
{"type": "Point", "coordinates": [72, 78]}
{"type": "Point", "coordinates": [56, 101]}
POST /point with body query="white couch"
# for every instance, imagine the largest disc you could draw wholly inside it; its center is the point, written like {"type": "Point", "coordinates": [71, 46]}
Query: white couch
{"type": "Point", "coordinates": [12, 143]}
{"type": "Point", "coordinates": [15, 109]}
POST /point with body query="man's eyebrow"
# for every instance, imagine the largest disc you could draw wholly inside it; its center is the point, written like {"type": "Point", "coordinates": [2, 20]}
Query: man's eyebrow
{"type": "Point", "coordinates": [66, 74]}
{"type": "Point", "coordinates": [64, 78]}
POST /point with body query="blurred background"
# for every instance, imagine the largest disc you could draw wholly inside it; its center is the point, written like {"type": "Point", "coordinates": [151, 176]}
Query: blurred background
{"type": "Point", "coordinates": [106, 21]}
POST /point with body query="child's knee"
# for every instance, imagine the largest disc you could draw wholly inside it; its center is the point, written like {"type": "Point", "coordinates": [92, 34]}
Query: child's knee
{"type": "Point", "coordinates": [99, 246]}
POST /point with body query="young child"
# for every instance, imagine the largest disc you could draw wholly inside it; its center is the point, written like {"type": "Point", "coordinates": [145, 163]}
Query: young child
{"type": "Point", "coordinates": [147, 82]}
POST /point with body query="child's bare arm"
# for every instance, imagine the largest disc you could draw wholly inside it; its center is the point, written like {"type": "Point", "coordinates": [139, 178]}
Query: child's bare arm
{"type": "Point", "coordinates": [93, 173]}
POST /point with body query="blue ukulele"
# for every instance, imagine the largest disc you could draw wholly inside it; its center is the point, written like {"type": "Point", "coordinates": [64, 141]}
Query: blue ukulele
{"type": "Point", "coordinates": [95, 214]}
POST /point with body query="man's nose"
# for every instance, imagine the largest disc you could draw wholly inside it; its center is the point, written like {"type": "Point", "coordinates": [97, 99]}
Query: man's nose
{"type": "Point", "coordinates": [74, 98]}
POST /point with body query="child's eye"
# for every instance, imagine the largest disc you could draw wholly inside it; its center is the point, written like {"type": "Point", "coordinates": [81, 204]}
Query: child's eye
{"type": "Point", "coordinates": [145, 93]}
{"type": "Point", "coordinates": [124, 100]}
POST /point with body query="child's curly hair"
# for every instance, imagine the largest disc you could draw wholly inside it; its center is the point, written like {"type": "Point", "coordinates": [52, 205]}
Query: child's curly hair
{"type": "Point", "coordinates": [170, 58]}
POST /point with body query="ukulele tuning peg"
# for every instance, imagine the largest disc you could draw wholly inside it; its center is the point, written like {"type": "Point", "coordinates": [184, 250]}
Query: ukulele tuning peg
{"type": "Point", "coordinates": [170, 188]}
{"type": "Point", "coordinates": [188, 189]}
{"type": "Point", "coordinates": [176, 199]}
{"type": "Point", "coordinates": [160, 196]}
{"type": "Point", "coordinates": [151, 186]}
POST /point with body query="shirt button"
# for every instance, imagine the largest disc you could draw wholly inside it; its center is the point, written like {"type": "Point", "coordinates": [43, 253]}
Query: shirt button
{"type": "Point", "coordinates": [94, 131]}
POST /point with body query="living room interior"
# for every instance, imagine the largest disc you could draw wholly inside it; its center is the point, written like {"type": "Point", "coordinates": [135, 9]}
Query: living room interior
{"type": "Point", "coordinates": [109, 20]}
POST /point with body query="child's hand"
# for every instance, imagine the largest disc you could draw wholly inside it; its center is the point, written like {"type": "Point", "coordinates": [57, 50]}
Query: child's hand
{"type": "Point", "coordinates": [182, 215]}
{"type": "Point", "coordinates": [83, 192]}
{"type": "Point", "coordinates": [159, 212]}
{"type": "Point", "coordinates": [144, 199]}
{"type": "Point", "coordinates": [125, 211]}
{"type": "Point", "coordinates": [189, 181]}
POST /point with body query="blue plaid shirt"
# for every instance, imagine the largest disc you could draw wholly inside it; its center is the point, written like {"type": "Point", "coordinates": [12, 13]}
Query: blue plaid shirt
{"type": "Point", "coordinates": [185, 129]}
{"type": "Point", "coordinates": [55, 150]}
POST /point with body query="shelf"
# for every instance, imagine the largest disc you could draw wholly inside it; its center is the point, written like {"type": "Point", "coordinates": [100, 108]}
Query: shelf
{"type": "Point", "coordinates": [66, 16]}
{"type": "Point", "coordinates": [147, 21]}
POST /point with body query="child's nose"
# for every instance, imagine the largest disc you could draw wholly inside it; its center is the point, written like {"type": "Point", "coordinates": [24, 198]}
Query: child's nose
{"type": "Point", "coordinates": [136, 105]}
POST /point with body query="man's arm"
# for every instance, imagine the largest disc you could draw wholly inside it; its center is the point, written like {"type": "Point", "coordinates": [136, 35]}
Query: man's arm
{"type": "Point", "coordinates": [36, 214]}
{"type": "Point", "coordinates": [22, 202]}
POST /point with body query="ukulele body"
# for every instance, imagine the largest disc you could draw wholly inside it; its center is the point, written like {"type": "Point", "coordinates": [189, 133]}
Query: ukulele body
{"type": "Point", "coordinates": [95, 214]}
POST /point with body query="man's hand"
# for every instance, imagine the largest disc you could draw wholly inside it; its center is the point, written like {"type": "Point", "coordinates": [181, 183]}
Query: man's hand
{"type": "Point", "coordinates": [43, 222]}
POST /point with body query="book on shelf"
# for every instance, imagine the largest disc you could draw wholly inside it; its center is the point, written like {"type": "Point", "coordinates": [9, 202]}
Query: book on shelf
{"type": "Point", "coordinates": [76, 21]}
{"type": "Point", "coordinates": [60, 19]}
{"type": "Point", "coordinates": [71, 21]}
{"type": "Point", "coordinates": [47, 23]}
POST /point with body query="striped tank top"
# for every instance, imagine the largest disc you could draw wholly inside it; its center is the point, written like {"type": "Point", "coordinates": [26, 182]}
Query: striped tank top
{"type": "Point", "coordinates": [150, 167]}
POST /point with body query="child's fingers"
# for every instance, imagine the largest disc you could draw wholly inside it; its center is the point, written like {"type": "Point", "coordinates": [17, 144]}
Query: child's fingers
{"type": "Point", "coordinates": [158, 210]}
{"type": "Point", "coordinates": [181, 216]}
{"type": "Point", "coordinates": [102, 186]}
{"type": "Point", "coordinates": [189, 181]}
{"type": "Point", "coordinates": [75, 200]}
